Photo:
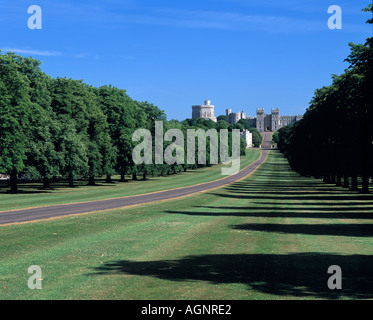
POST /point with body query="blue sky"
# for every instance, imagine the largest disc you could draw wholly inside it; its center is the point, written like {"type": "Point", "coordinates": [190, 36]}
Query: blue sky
{"type": "Point", "coordinates": [239, 54]}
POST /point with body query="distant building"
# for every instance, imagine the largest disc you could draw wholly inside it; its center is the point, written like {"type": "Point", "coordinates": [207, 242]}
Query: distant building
{"type": "Point", "coordinates": [273, 122]}
{"type": "Point", "coordinates": [263, 122]}
{"type": "Point", "coordinates": [252, 121]}
{"type": "Point", "coordinates": [248, 137]}
{"type": "Point", "coordinates": [234, 117]}
{"type": "Point", "coordinates": [205, 111]}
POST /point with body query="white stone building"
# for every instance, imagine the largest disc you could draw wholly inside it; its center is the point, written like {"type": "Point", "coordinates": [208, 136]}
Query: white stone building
{"type": "Point", "coordinates": [248, 137]}
{"type": "Point", "coordinates": [205, 111]}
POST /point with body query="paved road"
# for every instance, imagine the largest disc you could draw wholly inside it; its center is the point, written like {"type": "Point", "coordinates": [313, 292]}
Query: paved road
{"type": "Point", "coordinates": [266, 140]}
{"type": "Point", "coordinates": [25, 215]}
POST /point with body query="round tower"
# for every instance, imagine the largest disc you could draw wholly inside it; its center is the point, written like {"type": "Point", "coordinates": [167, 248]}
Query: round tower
{"type": "Point", "coordinates": [205, 111]}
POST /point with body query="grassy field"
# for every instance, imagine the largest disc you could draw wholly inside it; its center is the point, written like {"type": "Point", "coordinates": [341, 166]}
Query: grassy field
{"type": "Point", "coordinates": [272, 235]}
{"type": "Point", "coordinates": [31, 196]}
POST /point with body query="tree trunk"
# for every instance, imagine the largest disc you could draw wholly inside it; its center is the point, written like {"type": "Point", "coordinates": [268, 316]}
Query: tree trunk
{"type": "Point", "coordinates": [13, 182]}
{"type": "Point", "coordinates": [123, 178]}
{"type": "Point", "coordinates": [346, 184]}
{"type": "Point", "coordinates": [365, 188]}
{"type": "Point", "coordinates": [333, 179]}
{"type": "Point", "coordinates": [91, 181]}
{"type": "Point", "coordinates": [339, 181]}
{"type": "Point", "coordinates": [45, 183]}
{"type": "Point", "coordinates": [144, 175]}
{"type": "Point", "coordinates": [134, 176]}
{"type": "Point", "coordinates": [354, 183]}
{"type": "Point", "coordinates": [71, 180]}
{"type": "Point", "coordinates": [108, 179]}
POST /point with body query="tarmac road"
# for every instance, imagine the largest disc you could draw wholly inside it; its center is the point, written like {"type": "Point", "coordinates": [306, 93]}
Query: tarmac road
{"type": "Point", "coordinates": [40, 213]}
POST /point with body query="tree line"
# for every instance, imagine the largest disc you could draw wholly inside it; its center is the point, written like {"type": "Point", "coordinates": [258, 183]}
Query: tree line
{"type": "Point", "coordinates": [54, 128]}
{"type": "Point", "coordinates": [334, 140]}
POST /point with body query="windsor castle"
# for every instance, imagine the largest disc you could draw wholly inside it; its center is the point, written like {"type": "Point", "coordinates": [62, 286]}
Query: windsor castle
{"type": "Point", "coordinates": [263, 122]}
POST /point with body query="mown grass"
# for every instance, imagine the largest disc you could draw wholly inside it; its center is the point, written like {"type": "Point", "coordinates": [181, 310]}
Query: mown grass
{"type": "Point", "coordinates": [32, 196]}
{"type": "Point", "coordinates": [272, 235]}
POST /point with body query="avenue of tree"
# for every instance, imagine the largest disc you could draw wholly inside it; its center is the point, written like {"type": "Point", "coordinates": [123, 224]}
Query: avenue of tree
{"type": "Point", "coordinates": [334, 140]}
{"type": "Point", "coordinates": [64, 128]}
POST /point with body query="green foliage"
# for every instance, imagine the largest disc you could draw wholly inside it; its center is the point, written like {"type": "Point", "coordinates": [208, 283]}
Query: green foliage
{"type": "Point", "coordinates": [369, 8]}
{"type": "Point", "coordinates": [345, 149]}
{"type": "Point", "coordinates": [244, 124]}
{"type": "Point", "coordinates": [16, 115]}
{"type": "Point", "coordinates": [257, 137]}
{"type": "Point", "coordinates": [65, 128]}
{"type": "Point", "coordinates": [275, 137]}
{"type": "Point", "coordinates": [221, 118]}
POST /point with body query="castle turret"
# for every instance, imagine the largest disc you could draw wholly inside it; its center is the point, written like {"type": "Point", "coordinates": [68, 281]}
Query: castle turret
{"type": "Point", "coordinates": [260, 119]}
{"type": "Point", "coordinates": [275, 119]}
{"type": "Point", "coordinates": [205, 111]}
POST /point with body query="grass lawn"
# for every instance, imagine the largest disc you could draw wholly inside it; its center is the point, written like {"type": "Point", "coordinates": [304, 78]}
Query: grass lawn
{"type": "Point", "coordinates": [272, 235]}
{"type": "Point", "coordinates": [31, 196]}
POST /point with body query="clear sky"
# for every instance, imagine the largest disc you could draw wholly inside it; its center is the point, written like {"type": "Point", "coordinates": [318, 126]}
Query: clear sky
{"type": "Point", "coordinates": [240, 54]}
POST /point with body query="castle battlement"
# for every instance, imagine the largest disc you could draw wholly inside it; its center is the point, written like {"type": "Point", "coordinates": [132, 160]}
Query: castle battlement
{"type": "Point", "coordinates": [263, 122]}
{"type": "Point", "coordinates": [273, 121]}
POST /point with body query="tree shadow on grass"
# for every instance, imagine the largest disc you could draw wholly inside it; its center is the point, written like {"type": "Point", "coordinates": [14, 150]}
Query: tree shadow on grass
{"type": "Point", "coordinates": [292, 187]}
{"type": "Point", "coordinates": [288, 196]}
{"type": "Point", "coordinates": [347, 207]}
{"type": "Point", "coordinates": [279, 192]}
{"type": "Point", "coordinates": [350, 205]}
{"type": "Point", "coordinates": [302, 275]}
{"type": "Point", "coordinates": [344, 230]}
{"type": "Point", "coordinates": [36, 187]}
{"type": "Point", "coordinates": [19, 192]}
{"type": "Point", "coordinates": [277, 213]}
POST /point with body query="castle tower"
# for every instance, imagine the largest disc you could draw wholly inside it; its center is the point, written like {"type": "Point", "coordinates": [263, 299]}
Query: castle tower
{"type": "Point", "coordinates": [205, 111]}
{"type": "Point", "coordinates": [260, 119]}
{"type": "Point", "coordinates": [275, 119]}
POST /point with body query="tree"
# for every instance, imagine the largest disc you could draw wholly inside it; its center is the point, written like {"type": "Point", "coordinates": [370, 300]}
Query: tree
{"type": "Point", "coordinates": [221, 118]}
{"type": "Point", "coordinates": [41, 153]}
{"type": "Point", "coordinates": [15, 112]}
{"type": "Point", "coordinates": [121, 112]}
{"type": "Point", "coordinates": [257, 137]}
{"type": "Point", "coordinates": [72, 147]}
{"type": "Point", "coordinates": [99, 145]}
{"type": "Point", "coordinates": [361, 63]}
{"type": "Point", "coordinates": [70, 102]}
{"type": "Point", "coordinates": [275, 137]}
{"type": "Point", "coordinates": [244, 123]}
